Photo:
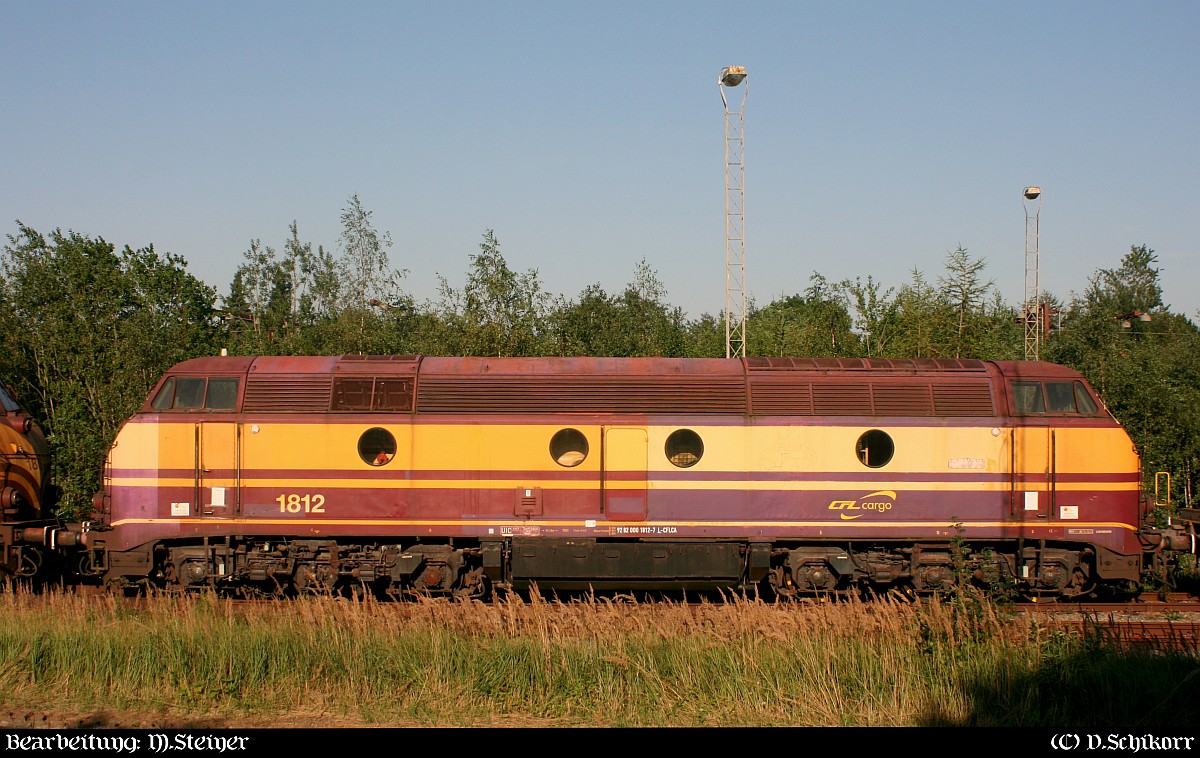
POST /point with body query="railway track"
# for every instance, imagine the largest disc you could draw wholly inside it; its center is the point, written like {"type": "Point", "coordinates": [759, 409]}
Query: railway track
{"type": "Point", "coordinates": [1170, 623]}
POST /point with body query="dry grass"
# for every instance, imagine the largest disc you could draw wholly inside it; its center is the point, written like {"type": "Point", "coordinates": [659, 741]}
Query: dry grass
{"type": "Point", "coordinates": [595, 662]}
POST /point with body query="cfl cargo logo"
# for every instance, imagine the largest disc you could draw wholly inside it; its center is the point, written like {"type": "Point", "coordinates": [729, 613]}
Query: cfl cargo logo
{"type": "Point", "coordinates": [877, 502]}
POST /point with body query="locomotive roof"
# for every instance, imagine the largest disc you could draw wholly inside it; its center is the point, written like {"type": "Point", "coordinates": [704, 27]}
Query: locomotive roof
{"type": "Point", "coordinates": [758, 386]}
{"type": "Point", "coordinates": [475, 366]}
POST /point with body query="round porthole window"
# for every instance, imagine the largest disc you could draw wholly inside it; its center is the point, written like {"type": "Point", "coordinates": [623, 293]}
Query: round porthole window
{"type": "Point", "coordinates": [376, 446]}
{"type": "Point", "coordinates": [568, 447]}
{"type": "Point", "coordinates": [875, 448]}
{"type": "Point", "coordinates": [684, 448]}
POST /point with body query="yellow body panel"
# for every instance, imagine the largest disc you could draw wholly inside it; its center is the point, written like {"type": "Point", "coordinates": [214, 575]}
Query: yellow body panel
{"type": "Point", "coordinates": [494, 452]}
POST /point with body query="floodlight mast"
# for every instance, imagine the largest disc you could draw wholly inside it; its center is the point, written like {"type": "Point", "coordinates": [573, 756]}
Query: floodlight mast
{"type": "Point", "coordinates": [735, 243]}
{"type": "Point", "coordinates": [1033, 316]}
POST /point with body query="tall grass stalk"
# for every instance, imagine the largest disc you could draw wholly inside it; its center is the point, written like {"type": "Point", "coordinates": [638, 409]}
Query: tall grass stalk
{"type": "Point", "coordinates": [591, 662]}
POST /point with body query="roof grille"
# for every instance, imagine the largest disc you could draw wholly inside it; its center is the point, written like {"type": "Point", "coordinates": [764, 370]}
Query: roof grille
{"type": "Point", "coordinates": [903, 400]}
{"type": "Point", "coordinates": [842, 399]}
{"type": "Point", "coordinates": [973, 399]}
{"type": "Point", "coordinates": [765, 364]}
{"type": "Point", "coordinates": [782, 395]}
{"type": "Point", "coordinates": [293, 394]}
{"type": "Point", "coordinates": [781, 398]}
{"type": "Point", "coordinates": [588, 394]}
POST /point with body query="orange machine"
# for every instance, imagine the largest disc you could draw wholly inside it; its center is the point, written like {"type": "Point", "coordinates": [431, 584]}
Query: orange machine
{"type": "Point", "coordinates": [456, 475]}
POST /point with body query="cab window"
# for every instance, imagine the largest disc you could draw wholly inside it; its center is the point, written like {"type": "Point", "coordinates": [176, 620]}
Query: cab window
{"type": "Point", "coordinates": [222, 393]}
{"type": "Point", "coordinates": [1027, 397]}
{"type": "Point", "coordinates": [1053, 397]}
{"type": "Point", "coordinates": [1086, 404]}
{"type": "Point", "coordinates": [6, 398]}
{"type": "Point", "coordinates": [186, 393]}
{"type": "Point", "coordinates": [1060, 397]}
{"type": "Point", "coordinates": [189, 393]}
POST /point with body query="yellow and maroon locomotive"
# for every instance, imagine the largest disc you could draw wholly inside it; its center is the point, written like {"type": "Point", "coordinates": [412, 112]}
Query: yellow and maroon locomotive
{"type": "Point", "coordinates": [457, 475]}
{"type": "Point", "coordinates": [24, 480]}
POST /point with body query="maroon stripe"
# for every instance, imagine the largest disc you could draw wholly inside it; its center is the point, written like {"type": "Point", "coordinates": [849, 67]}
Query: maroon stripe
{"type": "Point", "coordinates": [722, 508]}
{"type": "Point", "coordinates": [702, 504]}
{"type": "Point", "coordinates": [883, 477]}
{"type": "Point", "coordinates": [630, 419]}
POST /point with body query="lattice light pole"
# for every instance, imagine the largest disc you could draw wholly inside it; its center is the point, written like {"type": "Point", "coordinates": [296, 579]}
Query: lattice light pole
{"type": "Point", "coordinates": [1033, 297]}
{"type": "Point", "coordinates": [735, 243]}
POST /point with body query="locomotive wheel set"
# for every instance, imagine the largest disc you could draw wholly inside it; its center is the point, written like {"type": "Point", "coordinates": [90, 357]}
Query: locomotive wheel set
{"type": "Point", "coordinates": [461, 476]}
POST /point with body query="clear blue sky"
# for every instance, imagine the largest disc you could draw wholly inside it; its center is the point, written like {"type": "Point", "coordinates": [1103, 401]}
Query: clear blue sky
{"type": "Point", "coordinates": [879, 135]}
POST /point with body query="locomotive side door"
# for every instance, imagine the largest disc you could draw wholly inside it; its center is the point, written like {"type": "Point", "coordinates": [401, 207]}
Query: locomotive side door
{"type": "Point", "coordinates": [624, 473]}
{"type": "Point", "coordinates": [218, 469]}
{"type": "Point", "coordinates": [1033, 477]}
{"type": "Point", "coordinates": [1033, 456]}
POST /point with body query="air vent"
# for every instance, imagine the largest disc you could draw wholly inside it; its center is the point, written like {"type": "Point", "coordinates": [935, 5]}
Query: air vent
{"type": "Point", "coordinates": [902, 400]}
{"type": "Point", "coordinates": [897, 365]}
{"type": "Point", "coordinates": [588, 394]}
{"type": "Point", "coordinates": [287, 394]}
{"type": "Point", "coordinates": [842, 399]}
{"type": "Point", "coordinates": [780, 396]}
{"type": "Point", "coordinates": [783, 395]}
{"type": "Point", "coordinates": [973, 399]}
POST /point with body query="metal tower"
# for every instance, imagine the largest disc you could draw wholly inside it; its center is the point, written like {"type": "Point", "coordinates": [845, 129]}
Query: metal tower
{"type": "Point", "coordinates": [1033, 314]}
{"type": "Point", "coordinates": [735, 244]}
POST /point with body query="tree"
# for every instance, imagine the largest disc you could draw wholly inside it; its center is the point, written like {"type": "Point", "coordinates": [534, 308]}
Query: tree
{"type": "Point", "coordinates": [876, 314]}
{"type": "Point", "coordinates": [498, 311]}
{"type": "Point", "coordinates": [259, 301]}
{"type": "Point", "coordinates": [647, 325]}
{"type": "Point", "coordinates": [1133, 286]}
{"type": "Point", "coordinates": [313, 278]}
{"type": "Point", "coordinates": [272, 298]}
{"type": "Point", "coordinates": [921, 321]}
{"type": "Point", "coordinates": [965, 293]}
{"type": "Point", "coordinates": [637, 322]}
{"type": "Point", "coordinates": [705, 337]}
{"type": "Point", "coordinates": [366, 274]}
{"type": "Point", "coordinates": [589, 325]}
{"type": "Point", "coordinates": [1148, 372]}
{"type": "Point", "coordinates": [816, 324]}
{"type": "Point", "coordinates": [88, 333]}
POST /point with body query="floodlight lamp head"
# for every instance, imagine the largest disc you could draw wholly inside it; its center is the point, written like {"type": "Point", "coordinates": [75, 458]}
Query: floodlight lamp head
{"type": "Point", "coordinates": [1031, 193]}
{"type": "Point", "coordinates": [732, 76]}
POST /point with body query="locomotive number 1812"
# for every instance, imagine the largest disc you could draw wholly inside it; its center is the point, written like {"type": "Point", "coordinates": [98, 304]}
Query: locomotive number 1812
{"type": "Point", "coordinates": [295, 503]}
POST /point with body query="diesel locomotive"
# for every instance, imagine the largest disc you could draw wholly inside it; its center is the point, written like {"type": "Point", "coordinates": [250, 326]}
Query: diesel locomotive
{"type": "Point", "coordinates": [461, 476]}
{"type": "Point", "coordinates": [24, 490]}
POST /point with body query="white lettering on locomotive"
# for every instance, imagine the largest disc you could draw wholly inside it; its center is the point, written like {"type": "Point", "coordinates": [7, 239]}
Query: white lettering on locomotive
{"type": "Point", "coordinates": [978, 464]}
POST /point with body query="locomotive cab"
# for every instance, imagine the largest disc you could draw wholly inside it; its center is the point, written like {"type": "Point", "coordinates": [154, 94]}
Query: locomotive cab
{"type": "Point", "coordinates": [25, 505]}
{"type": "Point", "coordinates": [1044, 390]}
{"type": "Point", "coordinates": [24, 461]}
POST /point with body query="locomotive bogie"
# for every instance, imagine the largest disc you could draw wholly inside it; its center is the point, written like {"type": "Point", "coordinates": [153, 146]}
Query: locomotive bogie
{"type": "Point", "coordinates": [290, 567]}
